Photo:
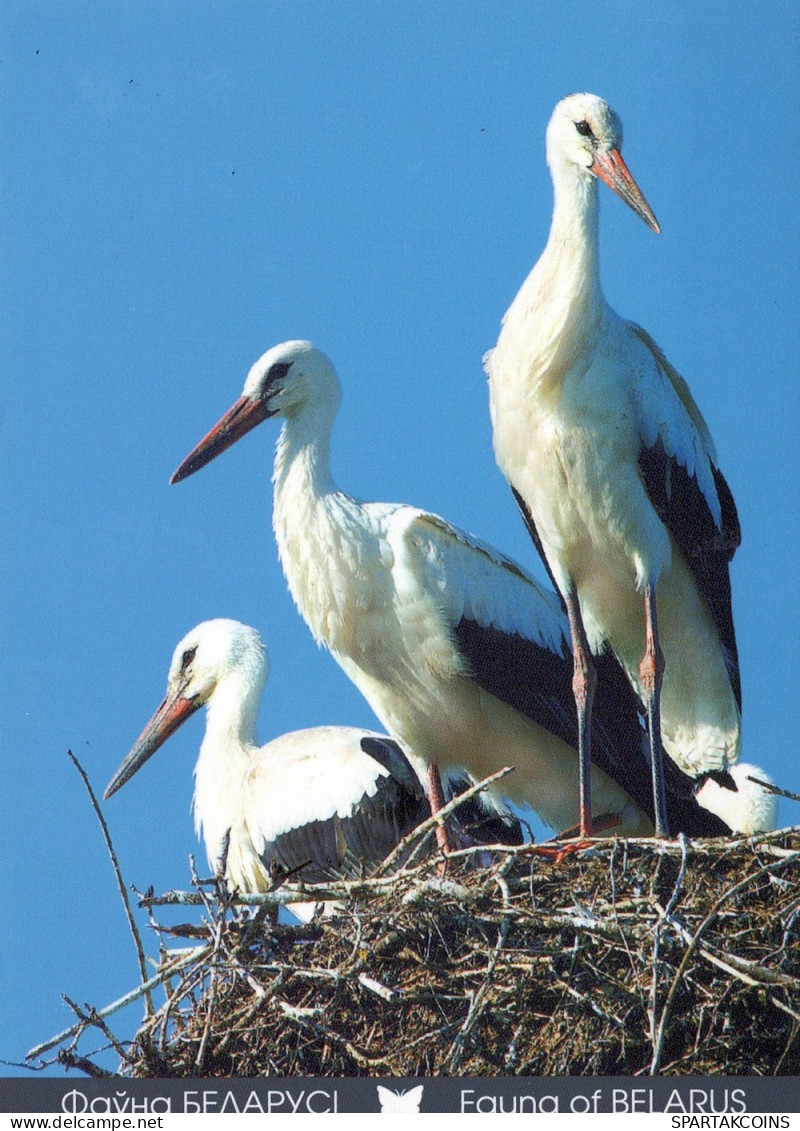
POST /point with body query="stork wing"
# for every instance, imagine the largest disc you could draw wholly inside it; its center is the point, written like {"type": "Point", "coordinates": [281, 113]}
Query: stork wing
{"type": "Point", "coordinates": [512, 638]}
{"type": "Point", "coordinates": [336, 803]}
{"type": "Point", "coordinates": [473, 581]}
{"type": "Point", "coordinates": [348, 847]}
{"type": "Point", "coordinates": [389, 754]}
{"type": "Point", "coordinates": [484, 817]}
{"type": "Point", "coordinates": [684, 813]}
{"type": "Point", "coordinates": [689, 493]}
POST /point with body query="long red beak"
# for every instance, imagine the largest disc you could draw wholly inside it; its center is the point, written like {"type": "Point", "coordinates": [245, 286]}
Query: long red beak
{"type": "Point", "coordinates": [237, 421]}
{"type": "Point", "coordinates": [610, 168]}
{"type": "Point", "coordinates": [164, 722]}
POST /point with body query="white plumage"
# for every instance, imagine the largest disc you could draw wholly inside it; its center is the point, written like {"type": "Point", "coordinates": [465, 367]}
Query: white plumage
{"type": "Point", "coordinates": [747, 808]}
{"type": "Point", "coordinates": [313, 797]}
{"type": "Point", "coordinates": [459, 652]}
{"type": "Point", "coordinates": [614, 466]}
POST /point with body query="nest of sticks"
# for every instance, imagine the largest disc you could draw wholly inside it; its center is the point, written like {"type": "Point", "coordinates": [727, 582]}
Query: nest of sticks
{"type": "Point", "coordinates": [628, 957]}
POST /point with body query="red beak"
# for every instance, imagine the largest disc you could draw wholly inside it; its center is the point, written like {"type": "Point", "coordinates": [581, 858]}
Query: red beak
{"type": "Point", "coordinates": [164, 722]}
{"type": "Point", "coordinates": [610, 168]}
{"type": "Point", "coordinates": [237, 421]}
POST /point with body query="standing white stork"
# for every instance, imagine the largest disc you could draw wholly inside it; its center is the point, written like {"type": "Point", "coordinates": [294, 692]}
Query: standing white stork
{"type": "Point", "coordinates": [615, 471]}
{"type": "Point", "coordinates": [321, 803]}
{"type": "Point", "coordinates": [460, 653]}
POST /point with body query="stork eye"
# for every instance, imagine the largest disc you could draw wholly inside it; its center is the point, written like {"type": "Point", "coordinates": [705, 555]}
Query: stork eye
{"type": "Point", "coordinates": [278, 371]}
{"type": "Point", "coordinates": [187, 658]}
{"type": "Point", "coordinates": [584, 129]}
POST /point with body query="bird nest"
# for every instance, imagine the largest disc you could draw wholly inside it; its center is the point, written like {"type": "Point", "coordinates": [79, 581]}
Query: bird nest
{"type": "Point", "coordinates": [624, 958]}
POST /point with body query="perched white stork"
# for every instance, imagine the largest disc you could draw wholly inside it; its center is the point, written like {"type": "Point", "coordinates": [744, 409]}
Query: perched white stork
{"type": "Point", "coordinates": [462, 656]}
{"type": "Point", "coordinates": [320, 803]}
{"type": "Point", "coordinates": [615, 471]}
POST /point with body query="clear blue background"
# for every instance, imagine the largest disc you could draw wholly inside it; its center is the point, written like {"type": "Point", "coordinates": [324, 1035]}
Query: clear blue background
{"type": "Point", "coordinates": [185, 185]}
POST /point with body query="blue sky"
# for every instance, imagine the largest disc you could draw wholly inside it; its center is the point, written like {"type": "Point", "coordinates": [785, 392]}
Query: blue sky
{"type": "Point", "coordinates": [184, 186]}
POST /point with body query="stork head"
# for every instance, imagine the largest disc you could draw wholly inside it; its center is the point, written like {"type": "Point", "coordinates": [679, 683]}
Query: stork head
{"type": "Point", "coordinates": [213, 653]}
{"type": "Point", "coordinates": [286, 380]}
{"type": "Point", "coordinates": [585, 132]}
{"type": "Point", "coordinates": [748, 806]}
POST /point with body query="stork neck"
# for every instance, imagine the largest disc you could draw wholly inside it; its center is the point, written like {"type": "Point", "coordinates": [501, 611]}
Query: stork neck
{"type": "Point", "coordinates": [572, 251]}
{"type": "Point", "coordinates": [302, 458]}
{"type": "Point", "coordinates": [228, 746]}
{"type": "Point", "coordinates": [305, 512]}
{"type": "Point", "coordinates": [231, 715]}
{"type": "Point", "coordinates": [555, 320]}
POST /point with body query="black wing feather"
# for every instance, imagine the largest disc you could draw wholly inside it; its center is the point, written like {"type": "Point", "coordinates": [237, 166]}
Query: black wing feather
{"type": "Point", "coordinates": [530, 526]}
{"type": "Point", "coordinates": [706, 548]}
{"type": "Point", "coordinates": [347, 847]}
{"type": "Point", "coordinates": [538, 683]}
{"type": "Point", "coordinates": [483, 817]}
{"type": "Point", "coordinates": [390, 755]}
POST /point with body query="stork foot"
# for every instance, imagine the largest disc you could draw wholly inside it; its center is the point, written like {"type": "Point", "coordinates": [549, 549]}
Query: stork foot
{"type": "Point", "coordinates": [557, 853]}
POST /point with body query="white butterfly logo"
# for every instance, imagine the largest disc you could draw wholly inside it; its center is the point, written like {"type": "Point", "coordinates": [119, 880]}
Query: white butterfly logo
{"type": "Point", "coordinates": [400, 1101]}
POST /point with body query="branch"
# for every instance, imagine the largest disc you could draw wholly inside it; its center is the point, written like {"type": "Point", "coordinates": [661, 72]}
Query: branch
{"type": "Point", "coordinates": [120, 882]}
{"type": "Point", "coordinates": [435, 819]}
{"type": "Point", "coordinates": [195, 955]}
{"type": "Point", "coordinates": [695, 943]}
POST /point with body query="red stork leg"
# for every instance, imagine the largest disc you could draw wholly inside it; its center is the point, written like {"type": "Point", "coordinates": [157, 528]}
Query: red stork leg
{"type": "Point", "coordinates": [651, 672]}
{"type": "Point", "coordinates": [436, 799]}
{"type": "Point", "coordinates": [584, 681]}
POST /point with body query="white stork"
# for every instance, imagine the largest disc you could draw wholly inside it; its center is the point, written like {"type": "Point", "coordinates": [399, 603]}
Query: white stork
{"type": "Point", "coordinates": [462, 656]}
{"type": "Point", "coordinates": [615, 471]}
{"type": "Point", "coordinates": [739, 798]}
{"type": "Point", "coordinates": [320, 804]}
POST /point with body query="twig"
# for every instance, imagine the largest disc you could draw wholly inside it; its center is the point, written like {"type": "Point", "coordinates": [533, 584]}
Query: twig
{"type": "Point", "coordinates": [218, 927]}
{"type": "Point", "coordinates": [196, 956]}
{"type": "Point", "coordinates": [297, 893]}
{"type": "Point", "coordinates": [91, 1017]}
{"type": "Point", "coordinates": [435, 819]}
{"type": "Point", "coordinates": [657, 1032]}
{"type": "Point", "coordinates": [71, 1059]}
{"type": "Point", "coordinates": [123, 891]}
{"type": "Point", "coordinates": [478, 1003]}
{"type": "Point", "coordinates": [694, 944]}
{"type": "Point", "coordinates": [378, 988]}
{"type": "Point", "coordinates": [748, 972]}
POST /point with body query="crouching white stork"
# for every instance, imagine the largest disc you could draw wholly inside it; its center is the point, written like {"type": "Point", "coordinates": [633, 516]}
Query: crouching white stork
{"type": "Point", "coordinates": [744, 798]}
{"type": "Point", "coordinates": [462, 656]}
{"type": "Point", "coordinates": [320, 804]}
{"type": "Point", "coordinates": [615, 471]}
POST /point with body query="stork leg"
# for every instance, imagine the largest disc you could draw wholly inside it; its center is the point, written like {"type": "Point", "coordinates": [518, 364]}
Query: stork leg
{"type": "Point", "coordinates": [584, 681]}
{"type": "Point", "coordinates": [436, 799]}
{"type": "Point", "coordinates": [651, 673]}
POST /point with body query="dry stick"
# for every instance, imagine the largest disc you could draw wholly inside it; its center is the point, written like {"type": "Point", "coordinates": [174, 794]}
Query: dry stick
{"type": "Point", "coordinates": [782, 1005]}
{"type": "Point", "coordinates": [616, 908]}
{"type": "Point", "coordinates": [437, 819]}
{"type": "Point", "coordinates": [776, 789]}
{"type": "Point", "coordinates": [72, 1060]}
{"type": "Point", "coordinates": [742, 968]}
{"type": "Point", "coordinates": [120, 882]}
{"type": "Point", "coordinates": [185, 960]}
{"type": "Point", "coordinates": [308, 1019]}
{"type": "Point", "coordinates": [655, 1033]}
{"type": "Point", "coordinates": [479, 1001]}
{"type": "Point", "coordinates": [212, 999]}
{"type": "Point", "coordinates": [694, 944]}
{"type": "Point", "coordinates": [92, 1018]}
{"type": "Point", "coordinates": [301, 893]}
